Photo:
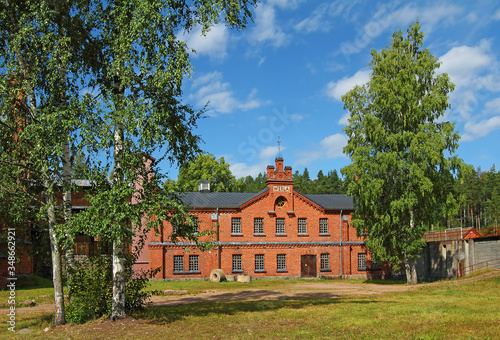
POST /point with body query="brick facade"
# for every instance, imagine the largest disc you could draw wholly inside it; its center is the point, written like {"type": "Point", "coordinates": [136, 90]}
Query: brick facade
{"type": "Point", "coordinates": [251, 238]}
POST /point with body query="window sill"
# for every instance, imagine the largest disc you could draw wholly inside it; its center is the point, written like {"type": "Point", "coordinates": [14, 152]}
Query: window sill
{"type": "Point", "coordinates": [325, 234]}
{"type": "Point", "coordinates": [236, 234]}
{"type": "Point", "coordinates": [260, 271]}
{"type": "Point", "coordinates": [259, 235]}
{"type": "Point", "coordinates": [282, 271]}
{"type": "Point", "coordinates": [281, 235]}
{"type": "Point", "coordinates": [192, 272]}
{"type": "Point", "coordinates": [303, 234]}
{"type": "Point", "coordinates": [362, 269]}
{"type": "Point", "coordinates": [325, 270]}
{"type": "Point", "coordinates": [237, 271]}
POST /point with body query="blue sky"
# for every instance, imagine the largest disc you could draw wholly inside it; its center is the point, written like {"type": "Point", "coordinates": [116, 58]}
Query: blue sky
{"type": "Point", "coordinates": [283, 76]}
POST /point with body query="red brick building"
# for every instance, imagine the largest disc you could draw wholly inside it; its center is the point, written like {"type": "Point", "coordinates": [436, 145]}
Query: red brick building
{"type": "Point", "coordinates": [277, 232]}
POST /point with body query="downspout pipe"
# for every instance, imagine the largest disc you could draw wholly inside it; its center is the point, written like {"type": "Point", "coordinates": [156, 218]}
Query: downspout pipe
{"type": "Point", "coordinates": [219, 250]}
{"type": "Point", "coordinates": [341, 263]}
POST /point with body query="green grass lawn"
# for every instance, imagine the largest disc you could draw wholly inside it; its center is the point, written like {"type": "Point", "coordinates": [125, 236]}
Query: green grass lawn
{"type": "Point", "coordinates": [442, 311]}
{"type": "Point", "coordinates": [30, 288]}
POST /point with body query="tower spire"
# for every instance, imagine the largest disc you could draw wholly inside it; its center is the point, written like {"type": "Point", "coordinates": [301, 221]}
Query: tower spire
{"type": "Point", "coordinates": [279, 156]}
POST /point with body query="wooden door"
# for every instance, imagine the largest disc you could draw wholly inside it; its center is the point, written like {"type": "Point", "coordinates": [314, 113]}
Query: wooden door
{"type": "Point", "coordinates": [308, 266]}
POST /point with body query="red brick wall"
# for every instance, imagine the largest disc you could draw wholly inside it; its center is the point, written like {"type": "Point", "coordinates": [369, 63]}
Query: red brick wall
{"type": "Point", "coordinates": [293, 244]}
{"type": "Point", "coordinates": [269, 244]}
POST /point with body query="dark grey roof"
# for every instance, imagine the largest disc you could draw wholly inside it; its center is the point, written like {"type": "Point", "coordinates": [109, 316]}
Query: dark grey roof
{"type": "Point", "coordinates": [331, 201]}
{"type": "Point", "coordinates": [196, 199]}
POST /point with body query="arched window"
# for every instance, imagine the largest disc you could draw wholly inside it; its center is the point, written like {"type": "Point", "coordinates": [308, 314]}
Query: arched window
{"type": "Point", "coordinates": [280, 202]}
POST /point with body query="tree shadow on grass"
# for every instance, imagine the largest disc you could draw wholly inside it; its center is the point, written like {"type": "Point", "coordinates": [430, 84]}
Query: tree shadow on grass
{"type": "Point", "coordinates": [385, 282]}
{"type": "Point", "coordinates": [232, 304]}
{"type": "Point", "coordinates": [33, 320]}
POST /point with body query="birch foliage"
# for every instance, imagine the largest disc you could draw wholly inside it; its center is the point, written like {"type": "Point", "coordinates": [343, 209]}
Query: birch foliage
{"type": "Point", "coordinates": [40, 42]}
{"type": "Point", "coordinates": [138, 70]}
{"type": "Point", "coordinates": [400, 147]}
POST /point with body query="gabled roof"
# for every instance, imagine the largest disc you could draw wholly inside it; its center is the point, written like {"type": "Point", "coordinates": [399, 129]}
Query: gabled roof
{"type": "Point", "coordinates": [472, 233]}
{"type": "Point", "coordinates": [196, 199]}
{"type": "Point", "coordinates": [331, 201]}
{"type": "Point", "coordinates": [205, 200]}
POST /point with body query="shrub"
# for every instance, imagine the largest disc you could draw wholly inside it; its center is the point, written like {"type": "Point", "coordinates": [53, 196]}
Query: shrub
{"type": "Point", "coordinates": [91, 288]}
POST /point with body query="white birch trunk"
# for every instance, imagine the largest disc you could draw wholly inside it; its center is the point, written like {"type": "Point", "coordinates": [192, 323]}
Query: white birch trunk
{"type": "Point", "coordinates": [59, 312]}
{"type": "Point", "coordinates": [411, 271]}
{"type": "Point", "coordinates": [410, 263]}
{"type": "Point", "coordinates": [118, 305]}
{"type": "Point", "coordinates": [67, 206]}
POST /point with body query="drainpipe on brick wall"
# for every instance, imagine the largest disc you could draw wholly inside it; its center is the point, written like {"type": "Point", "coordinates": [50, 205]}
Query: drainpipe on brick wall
{"type": "Point", "coordinates": [218, 243]}
{"type": "Point", "coordinates": [163, 251]}
{"type": "Point", "coordinates": [341, 264]}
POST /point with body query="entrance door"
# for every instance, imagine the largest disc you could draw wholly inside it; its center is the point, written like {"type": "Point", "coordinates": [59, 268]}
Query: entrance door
{"type": "Point", "coordinates": [308, 266]}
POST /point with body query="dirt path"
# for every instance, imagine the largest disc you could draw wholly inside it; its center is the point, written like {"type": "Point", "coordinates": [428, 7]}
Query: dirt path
{"type": "Point", "coordinates": [304, 290]}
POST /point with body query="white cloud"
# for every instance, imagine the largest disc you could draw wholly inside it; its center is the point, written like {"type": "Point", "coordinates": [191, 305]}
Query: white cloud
{"type": "Point", "coordinates": [317, 21]}
{"type": "Point", "coordinates": [321, 19]}
{"type": "Point", "coordinates": [286, 4]}
{"type": "Point", "coordinates": [496, 16]}
{"type": "Point", "coordinates": [463, 63]}
{"type": "Point", "coordinates": [214, 44]}
{"type": "Point", "coordinates": [261, 61]}
{"type": "Point", "coordinates": [210, 88]}
{"type": "Point", "coordinates": [337, 89]}
{"type": "Point", "coordinates": [476, 74]}
{"type": "Point", "coordinates": [344, 120]}
{"type": "Point", "coordinates": [474, 130]}
{"type": "Point", "coordinates": [295, 117]}
{"type": "Point", "coordinates": [493, 106]}
{"type": "Point", "coordinates": [265, 29]}
{"type": "Point", "coordinates": [390, 17]}
{"type": "Point", "coordinates": [334, 144]}
{"type": "Point", "coordinates": [265, 157]}
{"type": "Point", "coordinates": [242, 169]}
{"type": "Point", "coordinates": [329, 147]}
{"type": "Point", "coordinates": [270, 152]}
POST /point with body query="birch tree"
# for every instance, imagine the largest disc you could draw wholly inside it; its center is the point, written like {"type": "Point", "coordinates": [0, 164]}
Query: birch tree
{"type": "Point", "coordinates": [39, 43]}
{"type": "Point", "coordinates": [398, 148]}
{"type": "Point", "coordinates": [140, 65]}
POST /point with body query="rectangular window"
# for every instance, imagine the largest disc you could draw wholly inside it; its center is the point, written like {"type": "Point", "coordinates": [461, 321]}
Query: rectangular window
{"type": "Point", "coordinates": [195, 225]}
{"type": "Point", "coordinates": [302, 225]}
{"type": "Point", "coordinates": [281, 262]}
{"type": "Point", "coordinates": [259, 263]}
{"type": "Point", "coordinates": [362, 261]}
{"type": "Point", "coordinates": [194, 264]}
{"type": "Point", "coordinates": [280, 226]}
{"type": "Point", "coordinates": [236, 225]}
{"type": "Point", "coordinates": [325, 261]}
{"type": "Point", "coordinates": [178, 263]}
{"type": "Point", "coordinates": [237, 263]}
{"type": "Point", "coordinates": [323, 226]}
{"type": "Point", "coordinates": [258, 225]}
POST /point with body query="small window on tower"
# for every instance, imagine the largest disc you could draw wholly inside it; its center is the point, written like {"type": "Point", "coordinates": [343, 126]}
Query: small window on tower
{"type": "Point", "coordinates": [280, 202]}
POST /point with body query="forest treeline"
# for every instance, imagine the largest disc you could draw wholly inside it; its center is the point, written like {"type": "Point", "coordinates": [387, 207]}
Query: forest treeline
{"type": "Point", "coordinates": [473, 198]}
{"type": "Point", "coordinates": [331, 183]}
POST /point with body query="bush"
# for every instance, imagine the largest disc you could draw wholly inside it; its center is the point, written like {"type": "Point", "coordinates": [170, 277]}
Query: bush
{"type": "Point", "coordinates": [91, 289]}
